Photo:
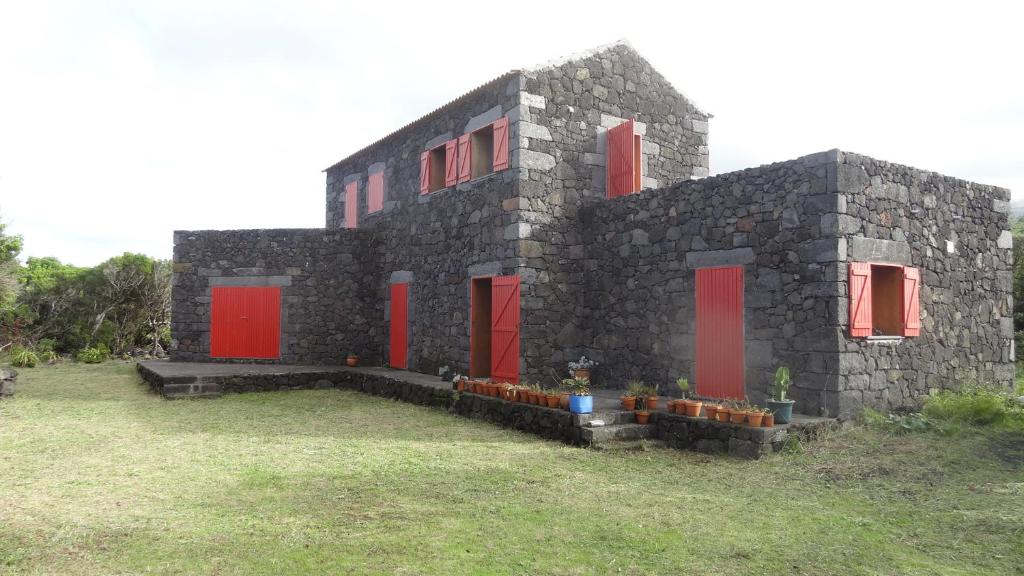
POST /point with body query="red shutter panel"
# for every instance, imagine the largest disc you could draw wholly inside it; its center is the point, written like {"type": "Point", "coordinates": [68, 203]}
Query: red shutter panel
{"type": "Point", "coordinates": [505, 328]}
{"type": "Point", "coordinates": [620, 160]}
{"type": "Point", "coordinates": [911, 301]}
{"type": "Point", "coordinates": [399, 325]}
{"type": "Point", "coordinates": [500, 158]}
{"type": "Point", "coordinates": [425, 172]}
{"type": "Point", "coordinates": [860, 299]}
{"type": "Point", "coordinates": [465, 159]}
{"type": "Point", "coordinates": [637, 177]}
{"type": "Point", "coordinates": [352, 205]}
{"type": "Point", "coordinates": [720, 354]}
{"type": "Point", "coordinates": [451, 172]}
{"type": "Point", "coordinates": [245, 322]}
{"type": "Point", "coordinates": [375, 194]}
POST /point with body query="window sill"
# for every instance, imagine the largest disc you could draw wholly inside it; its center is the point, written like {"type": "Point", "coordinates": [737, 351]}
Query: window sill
{"type": "Point", "coordinates": [885, 339]}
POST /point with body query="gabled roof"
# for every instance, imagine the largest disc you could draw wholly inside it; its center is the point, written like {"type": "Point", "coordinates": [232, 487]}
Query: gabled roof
{"type": "Point", "coordinates": [489, 84]}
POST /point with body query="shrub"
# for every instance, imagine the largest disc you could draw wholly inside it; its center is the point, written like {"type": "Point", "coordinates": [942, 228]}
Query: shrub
{"type": "Point", "coordinates": [46, 345]}
{"type": "Point", "coordinates": [22, 357]}
{"type": "Point", "coordinates": [93, 355]}
{"type": "Point", "coordinates": [49, 356]}
{"type": "Point", "coordinates": [976, 406]}
{"type": "Point", "coordinates": [903, 423]}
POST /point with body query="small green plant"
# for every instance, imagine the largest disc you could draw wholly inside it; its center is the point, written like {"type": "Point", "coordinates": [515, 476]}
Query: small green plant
{"type": "Point", "coordinates": [782, 382]}
{"type": "Point", "coordinates": [578, 386]}
{"type": "Point", "coordinates": [976, 406]}
{"type": "Point", "coordinates": [684, 387]}
{"type": "Point", "coordinates": [900, 423]}
{"type": "Point", "coordinates": [22, 357]}
{"type": "Point", "coordinates": [49, 356]}
{"type": "Point", "coordinates": [46, 345]}
{"type": "Point", "coordinates": [92, 355]}
{"type": "Point", "coordinates": [636, 388]}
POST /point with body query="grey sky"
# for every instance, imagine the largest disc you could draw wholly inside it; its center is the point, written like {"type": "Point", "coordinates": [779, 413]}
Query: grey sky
{"type": "Point", "coordinates": [122, 121]}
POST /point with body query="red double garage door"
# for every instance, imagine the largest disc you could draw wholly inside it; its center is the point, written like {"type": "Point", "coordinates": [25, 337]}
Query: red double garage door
{"type": "Point", "coordinates": [245, 322]}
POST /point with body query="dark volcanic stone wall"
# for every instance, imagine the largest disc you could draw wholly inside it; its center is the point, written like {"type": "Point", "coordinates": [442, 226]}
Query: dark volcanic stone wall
{"type": "Point", "coordinates": [567, 108]}
{"type": "Point", "coordinates": [641, 252]}
{"type": "Point", "coordinates": [329, 302]}
{"type": "Point", "coordinates": [903, 215]}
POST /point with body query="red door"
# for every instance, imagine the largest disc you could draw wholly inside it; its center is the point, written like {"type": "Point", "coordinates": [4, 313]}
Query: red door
{"type": "Point", "coordinates": [505, 329]}
{"type": "Point", "coordinates": [399, 326]}
{"type": "Point", "coordinates": [245, 322]}
{"type": "Point", "coordinates": [720, 333]}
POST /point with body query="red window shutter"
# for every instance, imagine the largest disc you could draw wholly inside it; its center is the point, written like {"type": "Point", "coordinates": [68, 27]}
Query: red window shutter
{"type": "Point", "coordinates": [451, 172]}
{"type": "Point", "coordinates": [620, 160]}
{"type": "Point", "coordinates": [911, 301]}
{"type": "Point", "coordinates": [505, 328]}
{"type": "Point", "coordinates": [352, 205]}
{"type": "Point", "coordinates": [399, 326]}
{"type": "Point", "coordinates": [425, 172]}
{"type": "Point", "coordinates": [245, 322]}
{"type": "Point", "coordinates": [500, 158]}
{"type": "Point", "coordinates": [465, 159]}
{"type": "Point", "coordinates": [375, 194]}
{"type": "Point", "coordinates": [720, 359]}
{"type": "Point", "coordinates": [637, 177]}
{"type": "Point", "coordinates": [860, 299]}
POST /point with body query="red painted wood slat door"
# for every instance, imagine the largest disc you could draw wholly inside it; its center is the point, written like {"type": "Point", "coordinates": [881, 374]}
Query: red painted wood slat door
{"type": "Point", "coordinates": [400, 326]}
{"type": "Point", "coordinates": [245, 322]}
{"type": "Point", "coordinates": [505, 329]}
{"type": "Point", "coordinates": [720, 362]}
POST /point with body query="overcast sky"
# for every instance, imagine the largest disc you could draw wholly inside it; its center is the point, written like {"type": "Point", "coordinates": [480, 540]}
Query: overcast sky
{"type": "Point", "coordinates": [123, 121]}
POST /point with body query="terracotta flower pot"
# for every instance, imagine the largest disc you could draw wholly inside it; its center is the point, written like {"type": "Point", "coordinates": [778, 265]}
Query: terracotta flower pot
{"type": "Point", "coordinates": [670, 405]}
{"type": "Point", "coordinates": [628, 402]}
{"type": "Point", "coordinates": [681, 406]}
{"type": "Point", "coordinates": [738, 416]}
{"type": "Point", "coordinates": [563, 401]}
{"type": "Point", "coordinates": [769, 420]}
{"type": "Point", "coordinates": [460, 385]}
{"type": "Point", "coordinates": [642, 416]}
{"type": "Point", "coordinates": [754, 418]}
{"type": "Point", "coordinates": [723, 414]}
{"type": "Point", "coordinates": [553, 400]}
{"type": "Point", "coordinates": [693, 409]}
{"type": "Point", "coordinates": [652, 402]}
{"type": "Point", "coordinates": [711, 411]}
{"type": "Point", "coordinates": [533, 397]}
{"type": "Point", "coordinates": [352, 361]}
{"type": "Point", "coordinates": [583, 373]}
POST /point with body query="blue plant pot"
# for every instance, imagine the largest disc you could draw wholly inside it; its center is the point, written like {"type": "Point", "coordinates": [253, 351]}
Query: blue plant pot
{"type": "Point", "coordinates": [581, 404]}
{"type": "Point", "coordinates": [783, 410]}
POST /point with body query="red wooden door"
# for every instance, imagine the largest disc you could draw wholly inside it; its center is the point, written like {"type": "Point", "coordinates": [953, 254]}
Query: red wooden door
{"type": "Point", "coordinates": [399, 325]}
{"type": "Point", "coordinates": [245, 322]}
{"type": "Point", "coordinates": [720, 333]}
{"type": "Point", "coordinates": [505, 329]}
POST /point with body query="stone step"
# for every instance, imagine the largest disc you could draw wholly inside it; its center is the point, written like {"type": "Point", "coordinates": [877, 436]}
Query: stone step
{"type": "Point", "coordinates": [609, 417]}
{"type": "Point", "coordinates": [641, 445]}
{"type": "Point", "coordinates": [602, 434]}
{"type": "Point", "coordinates": [195, 389]}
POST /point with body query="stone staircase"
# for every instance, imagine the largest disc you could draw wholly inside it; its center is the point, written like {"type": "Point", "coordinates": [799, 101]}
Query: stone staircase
{"type": "Point", "coordinates": [611, 428]}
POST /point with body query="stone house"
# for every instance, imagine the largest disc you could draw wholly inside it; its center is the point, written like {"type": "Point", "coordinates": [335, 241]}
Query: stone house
{"type": "Point", "coordinates": [567, 209]}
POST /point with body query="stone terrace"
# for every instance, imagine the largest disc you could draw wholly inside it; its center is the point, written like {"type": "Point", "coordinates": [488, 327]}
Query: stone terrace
{"type": "Point", "coordinates": [608, 425]}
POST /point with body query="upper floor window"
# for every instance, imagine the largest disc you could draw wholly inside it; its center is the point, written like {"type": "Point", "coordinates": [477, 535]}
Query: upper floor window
{"type": "Point", "coordinates": [623, 160]}
{"type": "Point", "coordinates": [479, 153]}
{"type": "Point", "coordinates": [375, 192]}
{"type": "Point", "coordinates": [438, 168]}
{"type": "Point", "coordinates": [884, 300]}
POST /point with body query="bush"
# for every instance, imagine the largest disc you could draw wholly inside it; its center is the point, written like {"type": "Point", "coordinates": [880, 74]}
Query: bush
{"type": "Point", "coordinates": [49, 356]}
{"type": "Point", "coordinates": [22, 357]}
{"type": "Point", "coordinates": [93, 355]}
{"type": "Point", "coordinates": [976, 406]}
{"type": "Point", "coordinates": [904, 423]}
{"type": "Point", "coordinates": [46, 345]}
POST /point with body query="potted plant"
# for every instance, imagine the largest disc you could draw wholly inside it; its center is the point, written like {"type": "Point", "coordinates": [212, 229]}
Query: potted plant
{"type": "Point", "coordinates": [581, 368]}
{"type": "Point", "coordinates": [643, 415]}
{"type": "Point", "coordinates": [459, 382]}
{"type": "Point", "coordinates": [551, 397]}
{"type": "Point", "coordinates": [754, 416]}
{"type": "Point", "coordinates": [535, 394]}
{"type": "Point", "coordinates": [652, 397]}
{"type": "Point", "coordinates": [580, 400]}
{"type": "Point", "coordinates": [629, 397]}
{"type": "Point", "coordinates": [768, 418]}
{"type": "Point", "coordinates": [352, 359]}
{"type": "Point", "coordinates": [692, 407]}
{"type": "Point", "coordinates": [724, 412]}
{"type": "Point", "coordinates": [780, 405]}
{"type": "Point", "coordinates": [739, 414]}
{"type": "Point", "coordinates": [711, 411]}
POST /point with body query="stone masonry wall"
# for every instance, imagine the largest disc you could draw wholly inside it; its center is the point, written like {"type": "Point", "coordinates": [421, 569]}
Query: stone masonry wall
{"type": "Point", "coordinates": [639, 260]}
{"type": "Point", "coordinates": [902, 215]}
{"type": "Point", "coordinates": [568, 107]}
{"type": "Point", "coordinates": [328, 299]}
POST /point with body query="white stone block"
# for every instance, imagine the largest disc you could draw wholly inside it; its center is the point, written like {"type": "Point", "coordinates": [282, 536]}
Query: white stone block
{"type": "Point", "coordinates": [531, 100]}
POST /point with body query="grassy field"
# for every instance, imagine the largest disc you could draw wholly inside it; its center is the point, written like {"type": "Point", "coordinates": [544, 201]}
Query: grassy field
{"type": "Point", "coordinates": [99, 476]}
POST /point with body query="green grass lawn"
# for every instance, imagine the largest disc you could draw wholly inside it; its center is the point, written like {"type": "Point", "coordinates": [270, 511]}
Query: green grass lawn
{"type": "Point", "coordinates": [100, 476]}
